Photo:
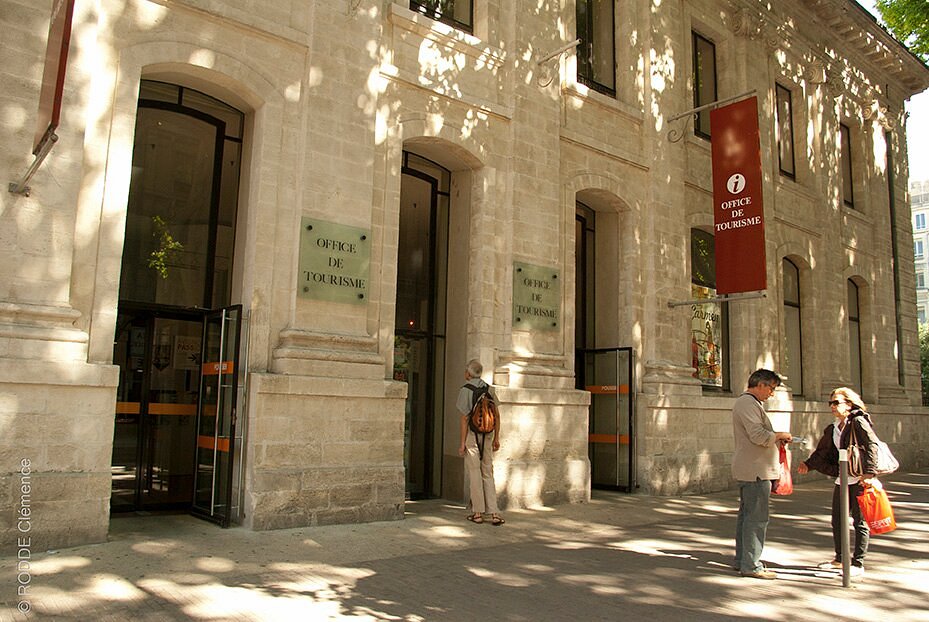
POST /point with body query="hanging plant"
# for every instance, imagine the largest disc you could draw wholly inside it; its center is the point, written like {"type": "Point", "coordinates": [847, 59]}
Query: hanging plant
{"type": "Point", "coordinates": [167, 247]}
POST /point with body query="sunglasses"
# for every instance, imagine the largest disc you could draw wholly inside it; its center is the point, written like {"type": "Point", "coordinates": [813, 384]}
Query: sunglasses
{"type": "Point", "coordinates": [835, 402]}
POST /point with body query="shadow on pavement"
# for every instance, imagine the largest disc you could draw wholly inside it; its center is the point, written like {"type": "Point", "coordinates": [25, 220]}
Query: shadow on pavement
{"type": "Point", "coordinates": [618, 557]}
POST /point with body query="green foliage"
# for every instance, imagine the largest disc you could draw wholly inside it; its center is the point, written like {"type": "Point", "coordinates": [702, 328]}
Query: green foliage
{"type": "Point", "coordinates": [924, 360]}
{"type": "Point", "coordinates": [908, 20]}
{"type": "Point", "coordinates": [167, 247]}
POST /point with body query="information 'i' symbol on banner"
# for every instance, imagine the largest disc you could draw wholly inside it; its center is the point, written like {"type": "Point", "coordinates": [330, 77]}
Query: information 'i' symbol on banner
{"type": "Point", "coordinates": [736, 183]}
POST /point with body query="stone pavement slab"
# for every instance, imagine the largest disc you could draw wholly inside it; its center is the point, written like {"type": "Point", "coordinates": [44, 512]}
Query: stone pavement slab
{"type": "Point", "coordinates": [629, 557]}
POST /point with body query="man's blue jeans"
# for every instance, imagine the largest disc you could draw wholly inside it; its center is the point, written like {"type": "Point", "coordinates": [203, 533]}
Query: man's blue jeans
{"type": "Point", "coordinates": [752, 524]}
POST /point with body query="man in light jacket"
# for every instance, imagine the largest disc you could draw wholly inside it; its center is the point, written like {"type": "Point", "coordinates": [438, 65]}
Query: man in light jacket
{"type": "Point", "coordinates": [754, 466]}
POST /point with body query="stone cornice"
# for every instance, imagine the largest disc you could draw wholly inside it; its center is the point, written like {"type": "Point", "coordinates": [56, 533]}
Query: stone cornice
{"type": "Point", "coordinates": [844, 26]}
{"type": "Point", "coordinates": [852, 26]}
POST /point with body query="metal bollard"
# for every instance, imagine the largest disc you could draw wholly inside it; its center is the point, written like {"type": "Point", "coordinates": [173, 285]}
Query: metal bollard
{"type": "Point", "coordinates": [843, 516]}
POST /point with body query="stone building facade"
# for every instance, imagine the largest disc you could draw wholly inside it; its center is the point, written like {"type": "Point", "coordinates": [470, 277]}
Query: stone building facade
{"type": "Point", "coordinates": [375, 192]}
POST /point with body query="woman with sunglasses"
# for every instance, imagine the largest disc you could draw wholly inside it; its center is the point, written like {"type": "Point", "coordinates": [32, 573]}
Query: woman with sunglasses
{"type": "Point", "coordinates": [849, 412]}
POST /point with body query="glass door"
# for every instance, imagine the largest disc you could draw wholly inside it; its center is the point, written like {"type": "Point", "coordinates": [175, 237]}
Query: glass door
{"type": "Point", "coordinates": [158, 355]}
{"type": "Point", "coordinates": [216, 415]}
{"type": "Point", "coordinates": [611, 432]}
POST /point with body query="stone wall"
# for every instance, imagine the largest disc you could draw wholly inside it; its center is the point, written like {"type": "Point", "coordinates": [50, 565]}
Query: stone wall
{"type": "Point", "coordinates": [55, 450]}
{"type": "Point", "coordinates": [690, 445]}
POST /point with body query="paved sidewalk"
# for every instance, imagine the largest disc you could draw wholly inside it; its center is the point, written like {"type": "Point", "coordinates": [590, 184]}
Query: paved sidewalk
{"type": "Point", "coordinates": [620, 557]}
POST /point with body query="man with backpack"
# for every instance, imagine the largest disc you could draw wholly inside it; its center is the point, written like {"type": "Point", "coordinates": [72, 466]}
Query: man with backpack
{"type": "Point", "coordinates": [480, 422]}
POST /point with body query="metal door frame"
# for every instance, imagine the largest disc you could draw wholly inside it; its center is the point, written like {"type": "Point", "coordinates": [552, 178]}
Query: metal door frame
{"type": "Point", "coordinates": [211, 513]}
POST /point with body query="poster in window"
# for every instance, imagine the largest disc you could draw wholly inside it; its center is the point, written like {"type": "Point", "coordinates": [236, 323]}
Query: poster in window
{"type": "Point", "coordinates": [401, 358]}
{"type": "Point", "coordinates": [186, 352]}
{"type": "Point", "coordinates": [706, 336]}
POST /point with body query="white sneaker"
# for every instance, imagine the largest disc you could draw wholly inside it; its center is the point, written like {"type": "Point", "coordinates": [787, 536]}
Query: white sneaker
{"type": "Point", "coordinates": [856, 571]}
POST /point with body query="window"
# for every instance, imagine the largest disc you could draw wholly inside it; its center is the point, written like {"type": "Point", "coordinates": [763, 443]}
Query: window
{"type": "Point", "coordinates": [854, 336]}
{"type": "Point", "coordinates": [596, 59]}
{"type": "Point", "coordinates": [785, 131]}
{"type": "Point", "coordinates": [704, 82]}
{"type": "Point", "coordinates": [183, 199]}
{"type": "Point", "coordinates": [584, 281]}
{"type": "Point", "coordinates": [921, 314]}
{"type": "Point", "coordinates": [792, 335]}
{"type": "Point", "coordinates": [920, 279]}
{"type": "Point", "coordinates": [919, 221]}
{"type": "Point", "coordinates": [918, 249]}
{"type": "Point", "coordinates": [709, 341]}
{"type": "Point", "coordinates": [845, 162]}
{"type": "Point", "coordinates": [457, 13]}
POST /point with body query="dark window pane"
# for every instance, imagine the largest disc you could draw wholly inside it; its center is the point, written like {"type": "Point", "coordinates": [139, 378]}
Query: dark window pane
{"type": "Point", "coordinates": [704, 82]}
{"type": "Point", "coordinates": [596, 58]}
{"type": "Point", "coordinates": [414, 281]}
{"type": "Point", "coordinates": [792, 335]}
{"type": "Point", "coordinates": [225, 224]}
{"type": "Point", "coordinates": [852, 300]}
{"type": "Point", "coordinates": [170, 203]}
{"type": "Point", "coordinates": [215, 108]}
{"type": "Point", "coordinates": [785, 131]}
{"type": "Point", "coordinates": [791, 283]}
{"type": "Point", "coordinates": [854, 336]}
{"type": "Point", "coordinates": [702, 258]}
{"type": "Point", "coordinates": [456, 13]}
{"type": "Point", "coordinates": [159, 91]}
{"type": "Point", "coordinates": [845, 162]}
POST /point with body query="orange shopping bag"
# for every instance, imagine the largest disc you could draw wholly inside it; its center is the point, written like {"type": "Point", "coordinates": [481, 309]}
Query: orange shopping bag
{"type": "Point", "coordinates": [876, 510]}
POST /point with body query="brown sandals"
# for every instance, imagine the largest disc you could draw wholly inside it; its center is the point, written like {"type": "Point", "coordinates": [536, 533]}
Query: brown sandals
{"type": "Point", "coordinates": [495, 519]}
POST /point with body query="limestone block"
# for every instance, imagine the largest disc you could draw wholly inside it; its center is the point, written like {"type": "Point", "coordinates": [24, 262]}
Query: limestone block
{"type": "Point", "coordinates": [265, 521]}
{"type": "Point", "coordinates": [265, 480]}
{"type": "Point", "coordinates": [295, 455]}
{"type": "Point", "coordinates": [56, 509]}
{"type": "Point", "coordinates": [388, 492]}
{"type": "Point", "coordinates": [351, 496]}
{"type": "Point", "coordinates": [385, 453]}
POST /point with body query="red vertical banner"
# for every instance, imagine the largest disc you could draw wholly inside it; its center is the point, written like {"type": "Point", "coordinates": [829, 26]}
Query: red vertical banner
{"type": "Point", "coordinates": [738, 211]}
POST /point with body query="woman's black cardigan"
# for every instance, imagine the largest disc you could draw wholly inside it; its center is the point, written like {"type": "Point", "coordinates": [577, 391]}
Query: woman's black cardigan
{"type": "Point", "coordinates": [825, 458]}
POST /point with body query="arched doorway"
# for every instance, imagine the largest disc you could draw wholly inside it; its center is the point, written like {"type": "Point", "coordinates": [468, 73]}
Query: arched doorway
{"type": "Point", "coordinates": [603, 366]}
{"type": "Point", "coordinates": [176, 341]}
{"type": "Point", "coordinates": [420, 339]}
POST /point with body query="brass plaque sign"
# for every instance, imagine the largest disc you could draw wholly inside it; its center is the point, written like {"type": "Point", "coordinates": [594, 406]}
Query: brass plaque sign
{"type": "Point", "coordinates": [334, 262]}
{"type": "Point", "coordinates": [536, 297]}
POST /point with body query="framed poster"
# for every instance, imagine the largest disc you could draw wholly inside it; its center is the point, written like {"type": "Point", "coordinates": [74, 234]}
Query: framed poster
{"type": "Point", "coordinates": [706, 338]}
